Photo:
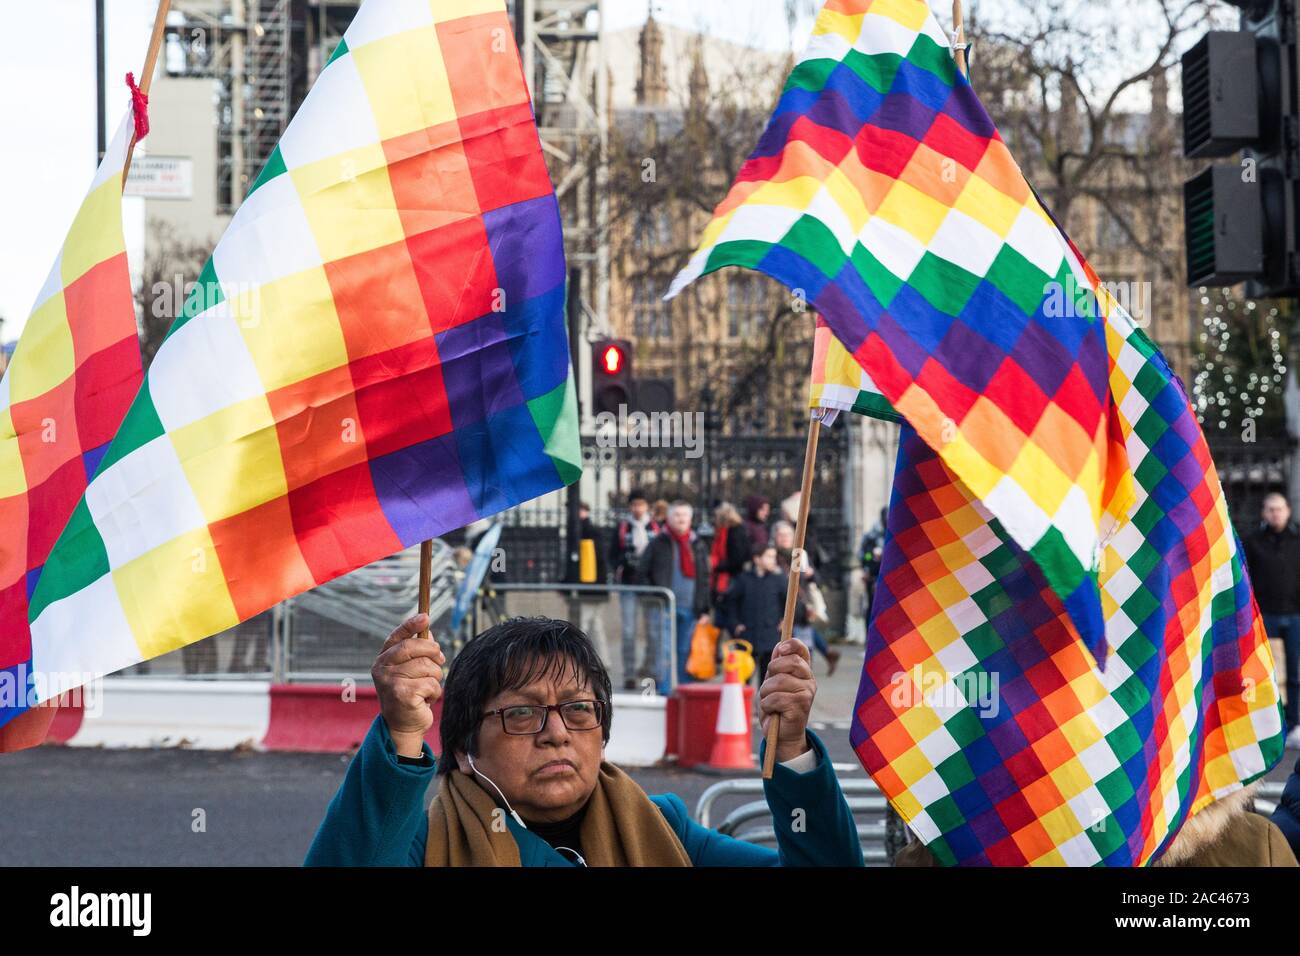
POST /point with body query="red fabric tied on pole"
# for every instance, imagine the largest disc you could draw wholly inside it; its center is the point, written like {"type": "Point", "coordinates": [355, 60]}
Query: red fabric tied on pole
{"type": "Point", "coordinates": [139, 108]}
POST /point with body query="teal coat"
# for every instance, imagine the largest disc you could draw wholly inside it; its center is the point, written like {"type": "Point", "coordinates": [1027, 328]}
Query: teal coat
{"type": "Point", "coordinates": [378, 818]}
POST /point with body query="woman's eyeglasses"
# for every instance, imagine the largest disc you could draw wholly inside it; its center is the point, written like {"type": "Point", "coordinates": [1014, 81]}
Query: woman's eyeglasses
{"type": "Point", "coordinates": [531, 718]}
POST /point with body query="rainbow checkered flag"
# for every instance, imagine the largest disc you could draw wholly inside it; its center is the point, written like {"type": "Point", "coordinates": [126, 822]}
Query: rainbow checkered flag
{"type": "Point", "coordinates": [63, 395]}
{"type": "Point", "coordinates": [840, 384]}
{"type": "Point", "coordinates": [882, 193]}
{"type": "Point", "coordinates": [985, 713]}
{"type": "Point", "coordinates": [983, 717]}
{"type": "Point", "coordinates": [375, 354]}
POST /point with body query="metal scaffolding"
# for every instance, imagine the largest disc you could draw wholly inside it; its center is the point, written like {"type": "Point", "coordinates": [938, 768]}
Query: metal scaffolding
{"type": "Point", "coordinates": [563, 50]}
{"type": "Point", "coordinates": [270, 78]}
{"type": "Point", "coordinates": [205, 39]}
{"type": "Point", "coordinates": [264, 55]}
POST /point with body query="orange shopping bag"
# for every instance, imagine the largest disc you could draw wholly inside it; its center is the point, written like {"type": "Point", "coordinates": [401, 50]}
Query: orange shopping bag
{"type": "Point", "coordinates": [703, 664]}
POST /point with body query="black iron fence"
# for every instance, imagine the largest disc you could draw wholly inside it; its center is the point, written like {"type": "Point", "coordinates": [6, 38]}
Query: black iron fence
{"type": "Point", "coordinates": [728, 468]}
{"type": "Point", "coordinates": [1248, 471]}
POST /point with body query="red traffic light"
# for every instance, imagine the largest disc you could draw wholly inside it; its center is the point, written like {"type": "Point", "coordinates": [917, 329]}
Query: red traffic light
{"type": "Point", "coordinates": [611, 360]}
{"type": "Point", "coordinates": [611, 375]}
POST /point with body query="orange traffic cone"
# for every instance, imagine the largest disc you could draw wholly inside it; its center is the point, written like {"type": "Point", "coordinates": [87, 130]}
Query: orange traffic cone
{"type": "Point", "coordinates": [731, 739]}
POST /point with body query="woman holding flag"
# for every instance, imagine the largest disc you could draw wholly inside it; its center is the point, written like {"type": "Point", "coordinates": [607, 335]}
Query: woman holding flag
{"type": "Point", "coordinates": [526, 713]}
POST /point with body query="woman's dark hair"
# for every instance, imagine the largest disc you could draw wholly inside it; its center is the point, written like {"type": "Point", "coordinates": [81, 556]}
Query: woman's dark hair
{"type": "Point", "coordinates": [508, 656]}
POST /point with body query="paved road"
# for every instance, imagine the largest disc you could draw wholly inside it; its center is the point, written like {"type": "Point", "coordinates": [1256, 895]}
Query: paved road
{"type": "Point", "coordinates": [85, 807]}
{"type": "Point", "coordinates": [80, 806]}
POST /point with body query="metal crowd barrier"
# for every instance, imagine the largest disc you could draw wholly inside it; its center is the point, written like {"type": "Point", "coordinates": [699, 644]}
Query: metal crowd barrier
{"type": "Point", "coordinates": [333, 632]}
{"type": "Point", "coordinates": [603, 623]}
{"type": "Point", "coordinates": [327, 634]}
{"type": "Point", "coordinates": [864, 798]}
{"type": "Point", "coordinates": [1268, 796]}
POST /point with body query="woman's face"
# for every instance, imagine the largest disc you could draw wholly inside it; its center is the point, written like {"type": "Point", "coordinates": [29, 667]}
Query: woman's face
{"type": "Point", "coordinates": [546, 776]}
{"type": "Point", "coordinates": [784, 537]}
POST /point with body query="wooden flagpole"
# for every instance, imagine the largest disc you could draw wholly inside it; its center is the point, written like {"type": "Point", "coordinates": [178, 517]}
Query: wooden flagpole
{"type": "Point", "coordinates": [150, 64]}
{"type": "Point", "coordinates": [959, 39]}
{"type": "Point", "coordinates": [426, 576]}
{"type": "Point", "coordinates": [798, 556]}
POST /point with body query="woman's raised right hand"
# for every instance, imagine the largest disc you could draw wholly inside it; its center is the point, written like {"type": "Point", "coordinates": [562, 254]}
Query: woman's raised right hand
{"type": "Point", "coordinates": [408, 679]}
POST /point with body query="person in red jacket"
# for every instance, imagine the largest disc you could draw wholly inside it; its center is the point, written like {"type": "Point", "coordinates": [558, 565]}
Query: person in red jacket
{"type": "Point", "coordinates": [728, 557]}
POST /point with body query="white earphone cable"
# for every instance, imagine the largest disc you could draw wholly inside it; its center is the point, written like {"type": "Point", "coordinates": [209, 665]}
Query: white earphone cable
{"type": "Point", "coordinates": [518, 819]}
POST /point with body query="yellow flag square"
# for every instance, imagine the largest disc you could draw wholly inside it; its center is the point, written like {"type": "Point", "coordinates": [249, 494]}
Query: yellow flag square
{"type": "Point", "coordinates": [406, 80]}
{"type": "Point", "coordinates": [349, 204]}
{"type": "Point", "coordinates": [446, 10]}
{"type": "Point", "coordinates": [45, 356]}
{"type": "Point", "coordinates": [174, 590]}
{"type": "Point", "coordinates": [232, 458]}
{"type": "Point", "coordinates": [13, 480]}
{"type": "Point", "coordinates": [96, 233]}
{"type": "Point", "coordinates": [291, 328]}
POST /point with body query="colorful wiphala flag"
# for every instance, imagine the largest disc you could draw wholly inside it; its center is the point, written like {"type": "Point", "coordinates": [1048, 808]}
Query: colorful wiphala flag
{"type": "Point", "coordinates": [984, 712]}
{"type": "Point", "coordinates": [63, 396]}
{"type": "Point", "coordinates": [375, 354]}
{"type": "Point", "coordinates": [840, 384]}
{"type": "Point", "coordinates": [882, 191]}
{"type": "Point", "coordinates": [981, 715]}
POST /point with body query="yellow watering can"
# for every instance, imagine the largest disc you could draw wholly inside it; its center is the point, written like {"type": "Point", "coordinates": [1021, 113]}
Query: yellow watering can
{"type": "Point", "coordinates": [738, 655]}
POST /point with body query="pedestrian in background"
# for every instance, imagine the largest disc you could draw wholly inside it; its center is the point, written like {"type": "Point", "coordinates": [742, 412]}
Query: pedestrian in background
{"type": "Point", "coordinates": [757, 509]}
{"type": "Point", "coordinates": [870, 550]}
{"type": "Point", "coordinates": [1273, 558]}
{"type": "Point", "coordinates": [659, 511]}
{"type": "Point", "coordinates": [789, 513]}
{"type": "Point", "coordinates": [626, 547]}
{"type": "Point", "coordinates": [591, 604]}
{"type": "Point", "coordinates": [756, 603]}
{"type": "Point", "coordinates": [730, 553]}
{"type": "Point", "coordinates": [810, 612]}
{"type": "Point", "coordinates": [678, 560]}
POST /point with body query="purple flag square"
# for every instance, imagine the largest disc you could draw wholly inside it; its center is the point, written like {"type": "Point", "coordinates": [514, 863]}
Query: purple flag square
{"type": "Point", "coordinates": [422, 490]}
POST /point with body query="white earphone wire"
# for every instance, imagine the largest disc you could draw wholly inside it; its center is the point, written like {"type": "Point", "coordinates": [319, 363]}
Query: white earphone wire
{"type": "Point", "coordinates": [574, 852]}
{"type": "Point", "coordinates": [518, 819]}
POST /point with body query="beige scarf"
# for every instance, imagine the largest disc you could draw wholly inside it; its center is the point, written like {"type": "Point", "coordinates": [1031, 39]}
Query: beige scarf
{"type": "Point", "coordinates": [622, 827]}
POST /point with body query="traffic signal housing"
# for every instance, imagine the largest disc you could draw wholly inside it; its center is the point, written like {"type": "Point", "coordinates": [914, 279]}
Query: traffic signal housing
{"type": "Point", "coordinates": [1220, 95]}
{"type": "Point", "coordinates": [612, 384]}
{"type": "Point", "coordinates": [1224, 227]}
{"type": "Point", "coordinates": [1239, 93]}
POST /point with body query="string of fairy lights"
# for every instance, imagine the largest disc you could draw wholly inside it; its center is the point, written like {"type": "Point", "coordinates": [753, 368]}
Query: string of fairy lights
{"type": "Point", "coordinates": [1241, 367]}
